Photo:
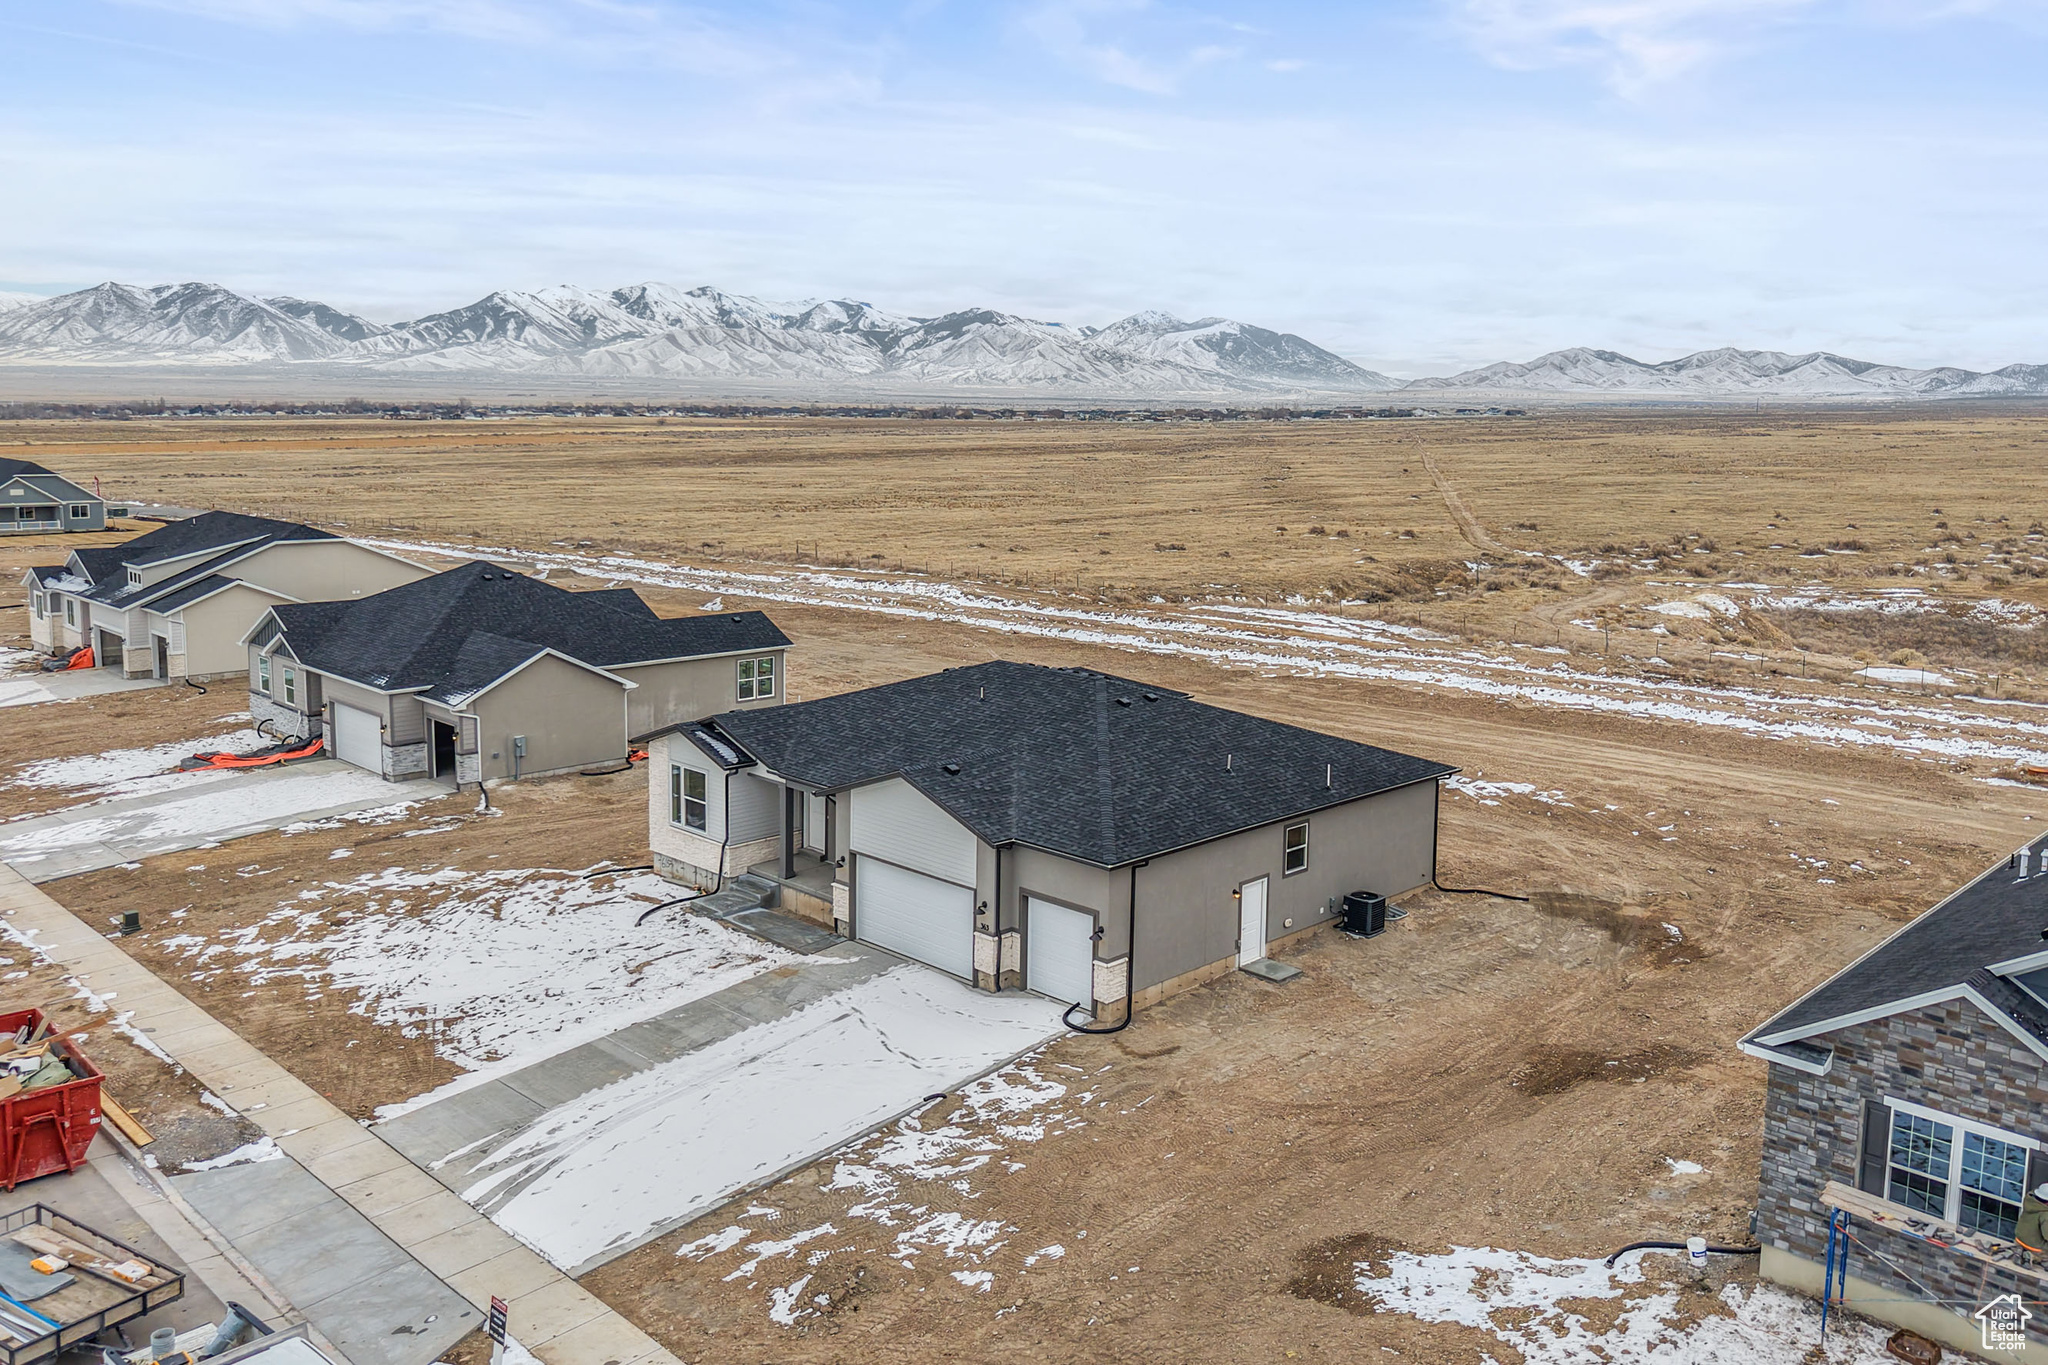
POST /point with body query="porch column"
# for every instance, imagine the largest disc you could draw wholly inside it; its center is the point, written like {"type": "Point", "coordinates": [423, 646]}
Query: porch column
{"type": "Point", "coordinates": [790, 797]}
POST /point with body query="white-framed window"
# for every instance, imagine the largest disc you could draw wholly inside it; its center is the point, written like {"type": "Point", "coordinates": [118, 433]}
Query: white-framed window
{"type": "Point", "coordinates": [36, 601]}
{"type": "Point", "coordinates": [263, 674]}
{"type": "Point", "coordinates": [79, 511]}
{"type": "Point", "coordinates": [70, 611]}
{"type": "Point", "coordinates": [135, 578]}
{"type": "Point", "coordinates": [1294, 849]}
{"type": "Point", "coordinates": [686, 790]}
{"type": "Point", "coordinates": [757, 678]}
{"type": "Point", "coordinates": [1966, 1173]}
{"type": "Point", "coordinates": [291, 686]}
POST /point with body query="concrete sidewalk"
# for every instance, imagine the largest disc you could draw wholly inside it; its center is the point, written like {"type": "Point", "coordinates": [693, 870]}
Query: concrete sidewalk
{"type": "Point", "coordinates": [104, 834]}
{"type": "Point", "coordinates": [413, 1235]}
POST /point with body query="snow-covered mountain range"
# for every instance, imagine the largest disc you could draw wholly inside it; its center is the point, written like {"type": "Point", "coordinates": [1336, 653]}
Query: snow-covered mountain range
{"type": "Point", "coordinates": [1727, 373]}
{"type": "Point", "coordinates": [656, 335]}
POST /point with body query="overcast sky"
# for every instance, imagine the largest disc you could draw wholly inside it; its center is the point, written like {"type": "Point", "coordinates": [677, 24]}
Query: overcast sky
{"type": "Point", "coordinates": [1421, 185]}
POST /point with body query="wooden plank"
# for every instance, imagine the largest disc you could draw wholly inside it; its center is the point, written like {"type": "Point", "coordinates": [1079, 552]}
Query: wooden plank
{"type": "Point", "coordinates": [81, 1256]}
{"type": "Point", "coordinates": [1974, 1245]}
{"type": "Point", "coordinates": [130, 1127]}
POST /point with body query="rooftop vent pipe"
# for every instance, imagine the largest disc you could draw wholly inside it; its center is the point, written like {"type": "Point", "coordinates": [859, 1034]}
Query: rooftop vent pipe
{"type": "Point", "coordinates": [1226, 761]}
{"type": "Point", "coordinates": [1329, 776]}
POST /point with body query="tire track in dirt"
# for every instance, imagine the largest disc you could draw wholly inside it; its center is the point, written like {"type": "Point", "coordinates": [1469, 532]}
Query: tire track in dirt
{"type": "Point", "coordinates": [1469, 526]}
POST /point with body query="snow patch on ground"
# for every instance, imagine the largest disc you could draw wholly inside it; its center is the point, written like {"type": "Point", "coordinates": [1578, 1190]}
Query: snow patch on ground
{"type": "Point", "coordinates": [617, 1165]}
{"type": "Point", "coordinates": [987, 1122]}
{"type": "Point", "coordinates": [263, 1149]}
{"type": "Point", "coordinates": [132, 772]}
{"type": "Point", "coordinates": [501, 968]}
{"type": "Point", "coordinates": [1529, 1303]}
{"type": "Point", "coordinates": [1905, 675]}
{"type": "Point", "coordinates": [234, 803]}
{"type": "Point", "coordinates": [1489, 793]}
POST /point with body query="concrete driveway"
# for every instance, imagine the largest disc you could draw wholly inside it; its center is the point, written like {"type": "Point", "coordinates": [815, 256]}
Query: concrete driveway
{"type": "Point", "coordinates": [212, 808]}
{"type": "Point", "coordinates": [608, 1146]}
{"type": "Point", "coordinates": [26, 689]}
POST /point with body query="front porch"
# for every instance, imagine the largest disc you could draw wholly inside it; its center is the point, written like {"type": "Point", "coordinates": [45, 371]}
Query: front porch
{"type": "Point", "coordinates": [803, 879]}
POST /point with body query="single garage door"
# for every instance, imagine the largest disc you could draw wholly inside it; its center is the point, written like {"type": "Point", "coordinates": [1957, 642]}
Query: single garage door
{"type": "Point", "coordinates": [918, 916]}
{"type": "Point", "coordinates": [1059, 953]}
{"type": "Point", "coordinates": [358, 738]}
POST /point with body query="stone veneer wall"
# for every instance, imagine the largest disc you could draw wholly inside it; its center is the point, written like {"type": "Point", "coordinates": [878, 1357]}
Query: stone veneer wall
{"type": "Point", "coordinates": [1948, 1057]}
{"type": "Point", "coordinates": [284, 720]}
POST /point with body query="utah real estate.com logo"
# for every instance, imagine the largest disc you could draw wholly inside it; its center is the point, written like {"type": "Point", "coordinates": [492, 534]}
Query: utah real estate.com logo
{"type": "Point", "coordinates": [2003, 1323]}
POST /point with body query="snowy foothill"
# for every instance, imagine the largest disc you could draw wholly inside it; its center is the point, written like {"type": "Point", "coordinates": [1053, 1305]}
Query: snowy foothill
{"type": "Point", "coordinates": [621, 1164]}
{"type": "Point", "coordinates": [1909, 676]}
{"type": "Point", "coordinates": [981, 1129]}
{"type": "Point", "coordinates": [501, 968]}
{"type": "Point", "coordinates": [1536, 1306]}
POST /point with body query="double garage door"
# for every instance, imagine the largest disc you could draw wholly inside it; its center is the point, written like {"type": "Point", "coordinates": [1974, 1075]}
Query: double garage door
{"type": "Point", "coordinates": [920, 917]}
{"type": "Point", "coordinates": [932, 921]}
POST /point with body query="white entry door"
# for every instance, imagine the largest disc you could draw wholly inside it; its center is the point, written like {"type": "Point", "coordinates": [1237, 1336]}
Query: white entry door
{"type": "Point", "coordinates": [1251, 922]}
{"type": "Point", "coordinates": [358, 738]}
{"type": "Point", "coordinates": [920, 917]}
{"type": "Point", "coordinates": [1059, 953]}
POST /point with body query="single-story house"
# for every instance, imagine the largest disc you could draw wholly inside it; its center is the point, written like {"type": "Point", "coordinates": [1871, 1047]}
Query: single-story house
{"type": "Point", "coordinates": [1101, 841]}
{"type": "Point", "coordinates": [1910, 1091]}
{"type": "Point", "coordinates": [35, 501]}
{"type": "Point", "coordinates": [481, 673]}
{"type": "Point", "coordinates": [176, 602]}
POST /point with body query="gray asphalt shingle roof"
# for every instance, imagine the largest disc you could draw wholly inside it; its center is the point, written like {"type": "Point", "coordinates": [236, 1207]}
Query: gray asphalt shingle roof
{"type": "Point", "coordinates": [461, 630]}
{"type": "Point", "coordinates": [1081, 763]}
{"type": "Point", "coordinates": [1999, 917]}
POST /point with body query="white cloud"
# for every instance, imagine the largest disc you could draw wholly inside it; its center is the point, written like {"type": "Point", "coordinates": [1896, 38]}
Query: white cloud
{"type": "Point", "coordinates": [1633, 44]}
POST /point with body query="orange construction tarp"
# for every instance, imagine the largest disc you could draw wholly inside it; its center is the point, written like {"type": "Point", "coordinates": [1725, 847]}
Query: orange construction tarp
{"type": "Point", "coordinates": [82, 659]}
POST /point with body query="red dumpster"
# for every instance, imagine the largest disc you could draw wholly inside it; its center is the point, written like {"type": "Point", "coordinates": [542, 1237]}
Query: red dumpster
{"type": "Point", "coordinates": [45, 1131]}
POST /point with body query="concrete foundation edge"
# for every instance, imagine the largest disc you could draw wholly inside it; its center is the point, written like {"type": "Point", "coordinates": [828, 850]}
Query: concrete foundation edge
{"type": "Point", "coordinates": [1930, 1320]}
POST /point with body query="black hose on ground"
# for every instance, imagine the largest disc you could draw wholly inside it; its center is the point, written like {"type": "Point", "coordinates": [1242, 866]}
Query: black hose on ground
{"type": "Point", "coordinates": [603, 772]}
{"type": "Point", "coordinates": [1068, 1020]}
{"type": "Point", "coordinates": [607, 871]}
{"type": "Point", "coordinates": [194, 685]}
{"type": "Point", "coordinates": [1680, 1246]}
{"type": "Point", "coordinates": [1474, 891]}
{"type": "Point", "coordinates": [679, 900]}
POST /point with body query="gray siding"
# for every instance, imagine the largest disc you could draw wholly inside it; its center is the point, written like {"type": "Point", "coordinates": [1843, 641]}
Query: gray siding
{"type": "Point", "coordinates": [571, 717]}
{"type": "Point", "coordinates": [756, 802]}
{"type": "Point", "coordinates": [691, 689]}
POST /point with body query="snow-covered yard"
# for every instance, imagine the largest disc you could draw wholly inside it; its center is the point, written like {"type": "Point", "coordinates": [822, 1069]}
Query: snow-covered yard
{"type": "Point", "coordinates": [132, 772]}
{"type": "Point", "coordinates": [501, 968]}
{"type": "Point", "coordinates": [194, 810]}
{"type": "Point", "coordinates": [625, 1162]}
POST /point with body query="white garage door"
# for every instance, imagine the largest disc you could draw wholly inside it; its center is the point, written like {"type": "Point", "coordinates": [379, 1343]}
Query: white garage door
{"type": "Point", "coordinates": [1059, 953]}
{"type": "Point", "coordinates": [918, 916]}
{"type": "Point", "coordinates": [358, 738]}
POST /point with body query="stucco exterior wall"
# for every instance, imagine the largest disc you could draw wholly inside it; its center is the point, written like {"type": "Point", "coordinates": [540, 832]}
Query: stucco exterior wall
{"type": "Point", "coordinates": [1188, 918]}
{"type": "Point", "coordinates": [571, 717]}
{"type": "Point", "coordinates": [214, 628]}
{"type": "Point", "coordinates": [691, 689]}
{"type": "Point", "coordinates": [324, 570]}
{"type": "Point", "coordinates": [1952, 1058]}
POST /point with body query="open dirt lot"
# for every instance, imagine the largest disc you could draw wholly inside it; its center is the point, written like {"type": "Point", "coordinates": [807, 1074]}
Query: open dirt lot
{"type": "Point", "coordinates": [1541, 1077]}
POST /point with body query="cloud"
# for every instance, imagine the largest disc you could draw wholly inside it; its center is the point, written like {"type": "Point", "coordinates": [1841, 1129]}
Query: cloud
{"type": "Point", "coordinates": [1632, 44]}
{"type": "Point", "coordinates": [1071, 30]}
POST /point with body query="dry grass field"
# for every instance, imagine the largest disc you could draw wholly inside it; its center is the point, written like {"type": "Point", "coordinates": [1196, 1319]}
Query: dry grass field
{"type": "Point", "coordinates": [1706, 832]}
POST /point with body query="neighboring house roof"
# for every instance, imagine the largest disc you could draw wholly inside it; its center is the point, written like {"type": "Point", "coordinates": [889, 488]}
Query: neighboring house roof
{"type": "Point", "coordinates": [53, 575]}
{"type": "Point", "coordinates": [457, 632]}
{"type": "Point", "coordinates": [1972, 945]}
{"type": "Point", "coordinates": [1081, 763]}
{"type": "Point", "coordinates": [196, 589]}
{"type": "Point", "coordinates": [45, 481]}
{"type": "Point", "coordinates": [234, 535]}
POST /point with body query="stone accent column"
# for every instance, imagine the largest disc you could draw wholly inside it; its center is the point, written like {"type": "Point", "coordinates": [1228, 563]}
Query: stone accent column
{"type": "Point", "coordinates": [1112, 981]}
